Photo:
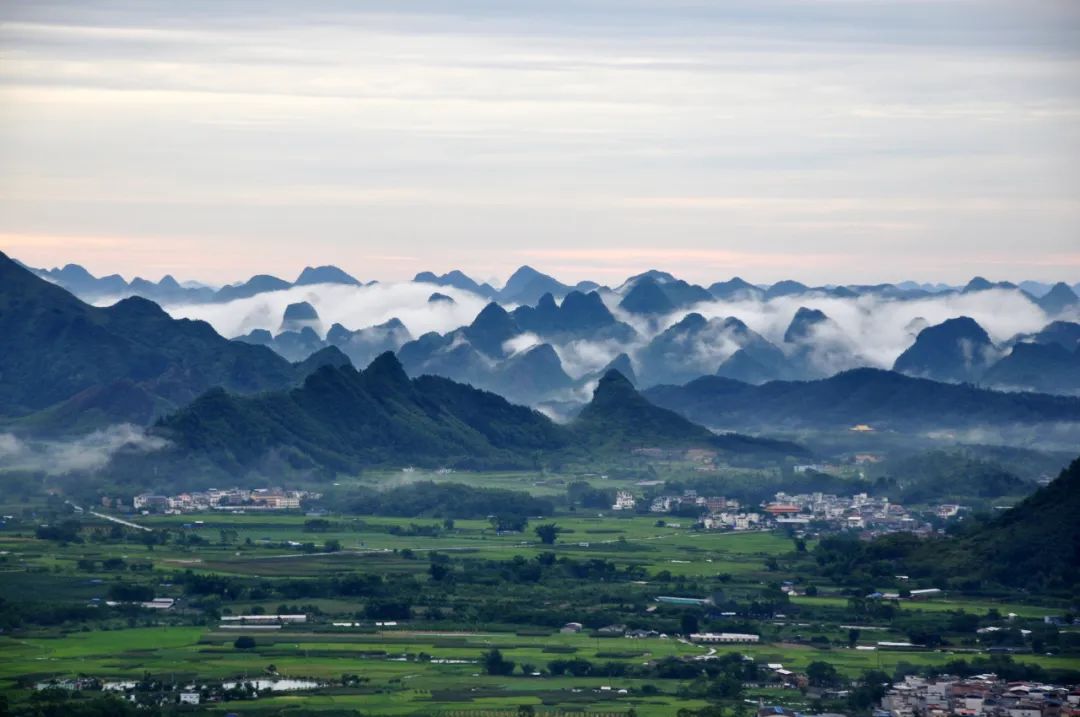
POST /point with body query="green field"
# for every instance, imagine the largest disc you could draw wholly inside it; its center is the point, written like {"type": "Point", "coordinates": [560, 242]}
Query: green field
{"type": "Point", "coordinates": [504, 591]}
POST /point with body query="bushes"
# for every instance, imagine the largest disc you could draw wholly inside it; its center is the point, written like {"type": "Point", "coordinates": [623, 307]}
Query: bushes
{"type": "Point", "coordinates": [495, 664]}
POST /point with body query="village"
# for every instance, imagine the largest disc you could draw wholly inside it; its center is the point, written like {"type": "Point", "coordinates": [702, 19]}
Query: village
{"type": "Point", "coordinates": [984, 694]}
{"type": "Point", "coordinates": [232, 499]}
{"type": "Point", "coordinates": [805, 512]}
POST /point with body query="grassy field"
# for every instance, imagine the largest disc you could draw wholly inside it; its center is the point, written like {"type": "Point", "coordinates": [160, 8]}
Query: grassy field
{"type": "Point", "coordinates": [399, 682]}
{"type": "Point", "coordinates": [433, 666]}
{"type": "Point", "coordinates": [631, 539]}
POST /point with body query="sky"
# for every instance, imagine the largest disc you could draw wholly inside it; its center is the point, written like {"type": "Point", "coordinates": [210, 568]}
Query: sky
{"type": "Point", "coordinates": [831, 141]}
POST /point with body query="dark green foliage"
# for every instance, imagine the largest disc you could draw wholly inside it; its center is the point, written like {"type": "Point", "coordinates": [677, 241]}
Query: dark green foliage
{"type": "Point", "coordinates": [426, 499]}
{"type": "Point", "coordinates": [130, 592]}
{"type": "Point", "coordinates": [583, 494]}
{"type": "Point", "coordinates": [495, 664]}
{"type": "Point", "coordinates": [1034, 546]}
{"type": "Point", "coordinates": [244, 642]}
{"type": "Point", "coordinates": [65, 531]}
{"type": "Point", "coordinates": [822, 674]}
{"type": "Point", "coordinates": [342, 420]}
{"type": "Point", "coordinates": [946, 475]}
{"type": "Point", "coordinates": [57, 702]}
{"type": "Point", "coordinates": [547, 533]}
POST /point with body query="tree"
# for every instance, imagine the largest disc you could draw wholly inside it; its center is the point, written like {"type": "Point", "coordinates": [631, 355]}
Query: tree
{"type": "Point", "coordinates": [821, 674]}
{"type": "Point", "coordinates": [332, 546]}
{"type": "Point", "coordinates": [495, 664]}
{"type": "Point", "coordinates": [438, 571]}
{"type": "Point", "coordinates": [244, 642]}
{"type": "Point", "coordinates": [869, 691]}
{"type": "Point", "coordinates": [853, 636]}
{"type": "Point", "coordinates": [688, 623]}
{"type": "Point", "coordinates": [547, 533]}
{"type": "Point", "coordinates": [509, 523]}
{"type": "Point", "coordinates": [130, 592]}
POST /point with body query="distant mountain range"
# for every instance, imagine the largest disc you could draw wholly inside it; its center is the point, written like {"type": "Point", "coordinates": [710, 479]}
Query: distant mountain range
{"type": "Point", "coordinates": [959, 350]}
{"type": "Point", "coordinates": [882, 400]}
{"type": "Point", "coordinates": [90, 288]}
{"type": "Point", "coordinates": [650, 292]}
{"type": "Point", "coordinates": [231, 409]}
{"type": "Point", "coordinates": [544, 343]}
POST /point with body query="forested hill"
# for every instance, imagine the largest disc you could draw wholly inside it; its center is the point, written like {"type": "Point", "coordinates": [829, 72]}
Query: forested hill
{"type": "Point", "coordinates": [1034, 546]}
{"type": "Point", "coordinates": [620, 416]}
{"type": "Point", "coordinates": [82, 366]}
{"type": "Point", "coordinates": [344, 420]}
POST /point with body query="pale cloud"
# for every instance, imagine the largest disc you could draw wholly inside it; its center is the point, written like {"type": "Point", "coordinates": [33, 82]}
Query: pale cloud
{"type": "Point", "coordinates": [304, 134]}
{"type": "Point", "coordinates": [351, 306]}
{"type": "Point", "coordinates": [86, 453]}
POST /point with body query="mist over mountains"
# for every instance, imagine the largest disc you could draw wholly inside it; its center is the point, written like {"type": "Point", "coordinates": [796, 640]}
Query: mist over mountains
{"type": "Point", "coordinates": [543, 342]}
{"type": "Point", "coordinates": [337, 375]}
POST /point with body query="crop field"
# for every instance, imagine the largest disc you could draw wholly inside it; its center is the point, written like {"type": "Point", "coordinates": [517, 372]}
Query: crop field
{"type": "Point", "coordinates": [432, 662]}
{"type": "Point", "coordinates": [367, 542]}
{"type": "Point", "coordinates": [405, 671]}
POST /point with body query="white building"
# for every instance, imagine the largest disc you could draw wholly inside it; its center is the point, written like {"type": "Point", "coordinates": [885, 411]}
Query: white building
{"type": "Point", "coordinates": [716, 637]}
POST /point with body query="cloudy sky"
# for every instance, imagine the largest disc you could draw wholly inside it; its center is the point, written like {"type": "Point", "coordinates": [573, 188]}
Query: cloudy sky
{"type": "Point", "coordinates": [824, 140]}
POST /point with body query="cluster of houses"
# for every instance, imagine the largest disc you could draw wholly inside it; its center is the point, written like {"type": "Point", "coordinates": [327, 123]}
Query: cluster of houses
{"type": "Point", "coordinates": [163, 693]}
{"type": "Point", "coordinates": [871, 516]}
{"type": "Point", "coordinates": [713, 504]}
{"type": "Point", "coordinates": [234, 499]}
{"type": "Point", "coordinates": [979, 695]}
{"type": "Point", "coordinates": [858, 512]}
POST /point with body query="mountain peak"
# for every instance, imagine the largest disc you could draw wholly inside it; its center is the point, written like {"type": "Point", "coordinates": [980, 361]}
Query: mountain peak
{"type": "Point", "coordinates": [301, 311]}
{"type": "Point", "coordinates": [958, 349]}
{"type": "Point", "coordinates": [324, 275]}
{"type": "Point", "coordinates": [787, 287]}
{"type": "Point", "coordinates": [618, 414]}
{"type": "Point", "coordinates": [527, 285]}
{"type": "Point", "coordinates": [1060, 297]}
{"type": "Point", "coordinates": [437, 297]}
{"type": "Point", "coordinates": [386, 368]}
{"type": "Point", "coordinates": [523, 273]}
{"type": "Point", "coordinates": [646, 297]}
{"type": "Point", "coordinates": [491, 328]}
{"type": "Point", "coordinates": [612, 383]}
{"type": "Point", "coordinates": [137, 306]}
{"type": "Point", "coordinates": [622, 365]}
{"type": "Point", "coordinates": [803, 323]}
{"type": "Point", "coordinates": [735, 288]}
{"type": "Point", "coordinates": [491, 315]}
